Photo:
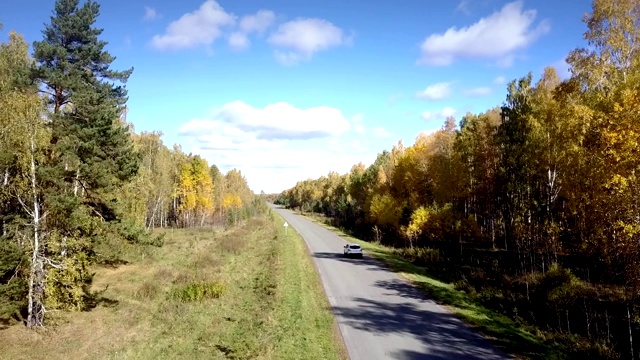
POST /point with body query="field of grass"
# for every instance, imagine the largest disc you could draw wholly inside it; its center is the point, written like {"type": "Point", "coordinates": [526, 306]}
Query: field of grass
{"type": "Point", "coordinates": [250, 292]}
{"type": "Point", "coordinates": [502, 331]}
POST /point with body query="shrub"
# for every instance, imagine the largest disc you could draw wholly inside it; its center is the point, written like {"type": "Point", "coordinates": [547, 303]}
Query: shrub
{"type": "Point", "coordinates": [13, 288]}
{"type": "Point", "coordinates": [197, 292]}
{"type": "Point", "coordinates": [148, 290]}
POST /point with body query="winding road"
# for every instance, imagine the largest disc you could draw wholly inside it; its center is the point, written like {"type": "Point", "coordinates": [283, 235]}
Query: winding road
{"type": "Point", "coordinates": [380, 315]}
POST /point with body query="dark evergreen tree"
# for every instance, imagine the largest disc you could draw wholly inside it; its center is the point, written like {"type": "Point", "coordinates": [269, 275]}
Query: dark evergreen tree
{"type": "Point", "coordinates": [91, 152]}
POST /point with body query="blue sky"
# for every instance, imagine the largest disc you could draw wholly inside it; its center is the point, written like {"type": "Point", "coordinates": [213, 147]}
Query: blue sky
{"type": "Point", "coordinates": [289, 90]}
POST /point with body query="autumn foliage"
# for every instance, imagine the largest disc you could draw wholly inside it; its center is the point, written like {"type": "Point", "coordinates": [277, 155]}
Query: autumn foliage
{"type": "Point", "coordinates": [78, 187]}
{"type": "Point", "coordinates": [533, 207]}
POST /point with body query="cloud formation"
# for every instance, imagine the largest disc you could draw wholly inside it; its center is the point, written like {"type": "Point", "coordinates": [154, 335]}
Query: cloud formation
{"type": "Point", "coordinates": [300, 39]}
{"type": "Point", "coordinates": [275, 121]}
{"type": "Point", "coordinates": [498, 37]}
{"type": "Point", "coordinates": [479, 91]}
{"type": "Point", "coordinates": [256, 23]}
{"type": "Point", "coordinates": [463, 6]}
{"type": "Point", "coordinates": [500, 80]}
{"type": "Point", "coordinates": [200, 27]}
{"type": "Point", "coordinates": [293, 41]}
{"type": "Point", "coordinates": [439, 114]}
{"type": "Point", "coordinates": [150, 14]}
{"type": "Point", "coordinates": [278, 145]}
{"type": "Point", "coordinates": [436, 91]}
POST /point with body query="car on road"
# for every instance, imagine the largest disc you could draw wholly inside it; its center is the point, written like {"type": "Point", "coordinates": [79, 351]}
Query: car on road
{"type": "Point", "coordinates": [352, 250]}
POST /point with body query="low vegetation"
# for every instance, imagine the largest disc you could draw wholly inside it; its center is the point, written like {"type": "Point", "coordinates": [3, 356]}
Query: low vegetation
{"type": "Point", "coordinates": [246, 292]}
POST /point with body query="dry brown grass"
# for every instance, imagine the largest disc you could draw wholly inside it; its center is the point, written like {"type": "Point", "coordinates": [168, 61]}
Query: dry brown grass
{"type": "Point", "coordinates": [234, 243]}
{"type": "Point", "coordinates": [266, 278]}
{"type": "Point", "coordinates": [147, 291]}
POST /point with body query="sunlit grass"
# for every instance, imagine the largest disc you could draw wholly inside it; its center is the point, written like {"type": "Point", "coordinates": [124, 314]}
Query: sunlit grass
{"type": "Point", "coordinates": [248, 292]}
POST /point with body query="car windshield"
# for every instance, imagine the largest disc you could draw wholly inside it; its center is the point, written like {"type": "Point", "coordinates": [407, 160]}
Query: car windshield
{"type": "Point", "coordinates": [354, 246]}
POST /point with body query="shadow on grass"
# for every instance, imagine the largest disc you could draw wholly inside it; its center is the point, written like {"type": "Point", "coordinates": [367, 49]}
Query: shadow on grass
{"type": "Point", "coordinates": [106, 302]}
{"type": "Point", "coordinates": [113, 263]}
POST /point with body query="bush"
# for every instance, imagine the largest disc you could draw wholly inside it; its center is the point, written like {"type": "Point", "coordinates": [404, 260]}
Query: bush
{"type": "Point", "coordinates": [13, 288]}
{"type": "Point", "coordinates": [464, 285]}
{"type": "Point", "coordinates": [198, 292]}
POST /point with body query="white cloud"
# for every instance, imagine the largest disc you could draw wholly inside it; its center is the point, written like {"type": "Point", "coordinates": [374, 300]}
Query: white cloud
{"type": "Point", "coordinates": [479, 91]}
{"type": "Point", "coordinates": [437, 91]}
{"type": "Point", "coordinates": [239, 40]}
{"type": "Point", "coordinates": [381, 132]}
{"type": "Point", "coordinates": [463, 7]}
{"type": "Point", "coordinates": [278, 145]}
{"type": "Point", "coordinates": [500, 80]}
{"type": "Point", "coordinates": [275, 121]}
{"type": "Point", "coordinates": [357, 121]}
{"type": "Point", "coordinates": [200, 27]}
{"type": "Point", "coordinates": [439, 114]}
{"type": "Point", "coordinates": [150, 13]}
{"type": "Point", "coordinates": [497, 37]}
{"type": "Point", "coordinates": [257, 23]}
{"type": "Point", "coordinates": [299, 39]}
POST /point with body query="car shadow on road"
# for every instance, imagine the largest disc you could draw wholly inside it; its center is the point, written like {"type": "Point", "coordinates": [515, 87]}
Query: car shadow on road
{"type": "Point", "coordinates": [364, 261]}
{"type": "Point", "coordinates": [441, 333]}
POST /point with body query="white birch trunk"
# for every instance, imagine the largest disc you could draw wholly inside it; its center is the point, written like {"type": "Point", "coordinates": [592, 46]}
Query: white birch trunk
{"type": "Point", "coordinates": [36, 276]}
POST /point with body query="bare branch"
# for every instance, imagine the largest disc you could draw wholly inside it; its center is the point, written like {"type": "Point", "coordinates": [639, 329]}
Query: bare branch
{"type": "Point", "coordinates": [51, 263]}
{"type": "Point", "coordinates": [24, 206]}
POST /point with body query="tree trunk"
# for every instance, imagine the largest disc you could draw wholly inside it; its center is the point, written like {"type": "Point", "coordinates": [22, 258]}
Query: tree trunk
{"type": "Point", "coordinates": [630, 333]}
{"type": "Point", "coordinates": [493, 234]}
{"type": "Point", "coordinates": [76, 183]}
{"type": "Point", "coordinates": [153, 214]}
{"type": "Point", "coordinates": [36, 277]}
{"type": "Point", "coordinates": [606, 314]}
{"type": "Point", "coordinates": [587, 318]}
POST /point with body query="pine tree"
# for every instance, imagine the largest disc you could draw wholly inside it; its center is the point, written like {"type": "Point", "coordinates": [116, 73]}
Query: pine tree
{"type": "Point", "coordinates": [91, 151]}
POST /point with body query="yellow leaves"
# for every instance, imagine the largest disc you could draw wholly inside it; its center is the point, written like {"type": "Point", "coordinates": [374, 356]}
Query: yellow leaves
{"type": "Point", "coordinates": [621, 136]}
{"type": "Point", "coordinates": [419, 219]}
{"type": "Point", "coordinates": [195, 187]}
{"type": "Point", "coordinates": [385, 210]}
{"type": "Point", "coordinates": [231, 201]}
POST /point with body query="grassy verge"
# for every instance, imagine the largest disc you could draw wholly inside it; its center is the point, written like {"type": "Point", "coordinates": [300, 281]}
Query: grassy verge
{"type": "Point", "coordinates": [513, 338]}
{"type": "Point", "coordinates": [249, 292]}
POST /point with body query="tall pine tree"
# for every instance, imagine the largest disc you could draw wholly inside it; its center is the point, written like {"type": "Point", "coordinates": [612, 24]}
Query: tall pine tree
{"type": "Point", "coordinates": [90, 152]}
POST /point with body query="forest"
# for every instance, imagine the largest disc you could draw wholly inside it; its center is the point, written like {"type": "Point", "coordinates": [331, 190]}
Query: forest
{"type": "Point", "coordinates": [78, 185]}
{"type": "Point", "coordinates": [532, 207]}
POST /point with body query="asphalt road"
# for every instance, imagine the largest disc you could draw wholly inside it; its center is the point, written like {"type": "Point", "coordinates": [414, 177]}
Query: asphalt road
{"type": "Point", "coordinates": [380, 315]}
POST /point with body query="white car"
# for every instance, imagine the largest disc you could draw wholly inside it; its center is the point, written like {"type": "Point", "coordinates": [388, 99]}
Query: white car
{"type": "Point", "coordinates": [352, 250]}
